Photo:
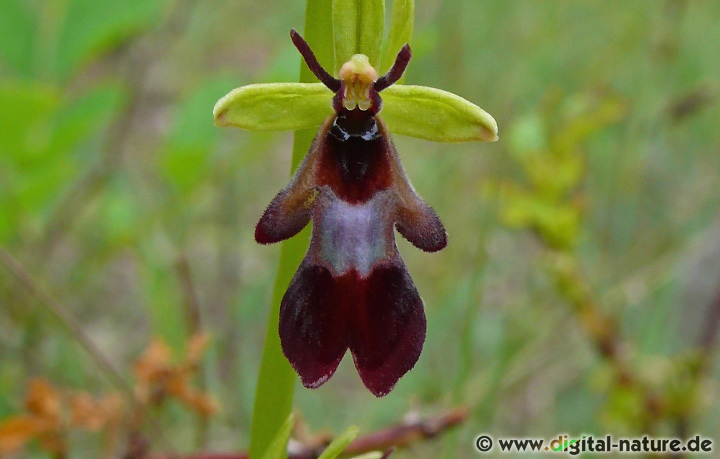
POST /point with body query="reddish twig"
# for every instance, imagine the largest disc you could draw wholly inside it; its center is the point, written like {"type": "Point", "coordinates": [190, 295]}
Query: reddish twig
{"type": "Point", "coordinates": [401, 435]}
{"type": "Point", "coordinates": [407, 432]}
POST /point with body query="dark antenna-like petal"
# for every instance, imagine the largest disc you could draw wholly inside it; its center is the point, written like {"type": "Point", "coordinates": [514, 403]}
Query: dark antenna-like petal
{"type": "Point", "coordinates": [396, 71]}
{"type": "Point", "coordinates": [332, 83]}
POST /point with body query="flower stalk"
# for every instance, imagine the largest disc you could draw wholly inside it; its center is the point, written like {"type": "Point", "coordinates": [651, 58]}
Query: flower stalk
{"type": "Point", "coordinates": [276, 380]}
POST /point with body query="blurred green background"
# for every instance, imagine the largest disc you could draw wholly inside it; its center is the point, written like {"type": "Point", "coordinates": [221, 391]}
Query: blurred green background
{"type": "Point", "coordinates": [113, 180]}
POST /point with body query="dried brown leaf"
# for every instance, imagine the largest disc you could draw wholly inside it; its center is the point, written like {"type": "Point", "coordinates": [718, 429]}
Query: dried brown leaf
{"type": "Point", "coordinates": [15, 432]}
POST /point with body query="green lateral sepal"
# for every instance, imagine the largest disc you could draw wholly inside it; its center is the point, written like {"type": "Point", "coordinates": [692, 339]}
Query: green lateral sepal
{"type": "Point", "coordinates": [274, 107]}
{"type": "Point", "coordinates": [437, 115]}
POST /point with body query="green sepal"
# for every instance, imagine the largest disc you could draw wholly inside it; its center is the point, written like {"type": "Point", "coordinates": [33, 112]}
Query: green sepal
{"type": "Point", "coordinates": [437, 115]}
{"type": "Point", "coordinates": [338, 445]}
{"type": "Point", "coordinates": [358, 28]}
{"type": "Point", "coordinates": [274, 107]}
{"type": "Point", "coordinates": [401, 30]}
{"type": "Point", "coordinates": [371, 30]}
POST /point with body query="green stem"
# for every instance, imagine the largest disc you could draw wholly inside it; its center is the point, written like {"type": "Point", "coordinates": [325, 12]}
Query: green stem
{"type": "Point", "coordinates": [276, 382]}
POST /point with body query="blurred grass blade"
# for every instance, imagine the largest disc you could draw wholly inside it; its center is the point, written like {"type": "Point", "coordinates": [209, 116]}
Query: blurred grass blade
{"type": "Point", "coordinates": [437, 115]}
{"type": "Point", "coordinates": [278, 446]}
{"type": "Point", "coordinates": [91, 27]}
{"type": "Point", "coordinates": [340, 443]}
{"type": "Point", "coordinates": [274, 106]}
{"type": "Point", "coordinates": [358, 28]}
{"type": "Point", "coordinates": [18, 26]}
{"type": "Point", "coordinates": [401, 30]}
{"type": "Point", "coordinates": [276, 382]}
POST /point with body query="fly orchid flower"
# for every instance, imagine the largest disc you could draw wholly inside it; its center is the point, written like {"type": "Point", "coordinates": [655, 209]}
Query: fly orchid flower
{"type": "Point", "coordinates": [352, 290]}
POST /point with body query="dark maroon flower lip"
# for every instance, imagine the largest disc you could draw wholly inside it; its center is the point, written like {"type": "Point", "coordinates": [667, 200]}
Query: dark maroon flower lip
{"type": "Point", "coordinates": [352, 290]}
{"type": "Point", "coordinates": [379, 318]}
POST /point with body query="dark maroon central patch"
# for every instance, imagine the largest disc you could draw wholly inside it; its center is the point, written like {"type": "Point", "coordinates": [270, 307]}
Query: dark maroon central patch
{"type": "Point", "coordinates": [355, 164]}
